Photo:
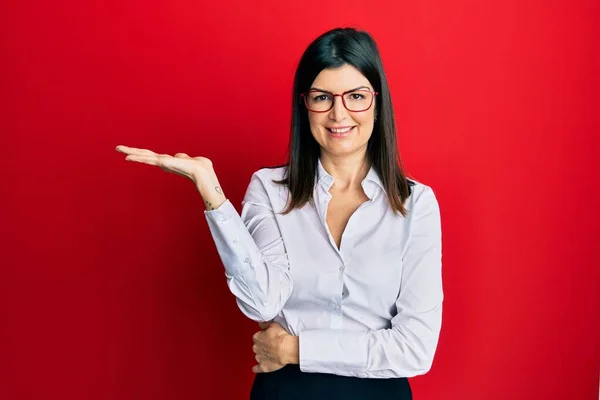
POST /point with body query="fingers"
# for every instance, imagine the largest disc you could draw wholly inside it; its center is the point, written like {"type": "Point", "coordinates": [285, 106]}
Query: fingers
{"type": "Point", "coordinates": [266, 367]}
{"type": "Point", "coordinates": [261, 353]}
{"type": "Point", "coordinates": [134, 151]}
{"type": "Point", "coordinates": [180, 165]}
{"type": "Point", "coordinates": [150, 160]}
{"type": "Point", "coordinates": [144, 152]}
{"type": "Point", "coordinates": [265, 361]}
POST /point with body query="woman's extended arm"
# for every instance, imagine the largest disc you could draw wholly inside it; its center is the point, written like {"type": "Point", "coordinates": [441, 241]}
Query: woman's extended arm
{"type": "Point", "coordinates": [250, 246]}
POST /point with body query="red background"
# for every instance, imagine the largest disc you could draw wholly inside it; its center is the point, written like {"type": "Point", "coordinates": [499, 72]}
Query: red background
{"type": "Point", "coordinates": [111, 287]}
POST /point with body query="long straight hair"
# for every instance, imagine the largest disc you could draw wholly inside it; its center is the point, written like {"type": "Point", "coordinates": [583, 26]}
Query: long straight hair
{"type": "Point", "coordinates": [333, 49]}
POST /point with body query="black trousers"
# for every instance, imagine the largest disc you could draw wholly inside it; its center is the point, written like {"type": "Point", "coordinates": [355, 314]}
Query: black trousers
{"type": "Point", "coordinates": [289, 383]}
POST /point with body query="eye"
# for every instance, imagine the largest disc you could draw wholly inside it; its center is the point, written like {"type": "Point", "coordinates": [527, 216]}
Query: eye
{"type": "Point", "coordinates": [357, 96]}
{"type": "Point", "coordinates": [320, 97]}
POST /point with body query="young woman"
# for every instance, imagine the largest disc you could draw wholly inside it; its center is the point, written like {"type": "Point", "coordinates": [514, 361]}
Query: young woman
{"type": "Point", "coordinates": [337, 254]}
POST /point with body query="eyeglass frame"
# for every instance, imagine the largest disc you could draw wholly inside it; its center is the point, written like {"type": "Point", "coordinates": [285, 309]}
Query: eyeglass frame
{"type": "Point", "coordinates": [305, 94]}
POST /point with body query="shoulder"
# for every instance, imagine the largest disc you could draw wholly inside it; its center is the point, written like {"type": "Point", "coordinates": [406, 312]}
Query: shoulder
{"type": "Point", "coordinates": [422, 198]}
{"type": "Point", "coordinates": [267, 177]}
{"type": "Point", "coordinates": [263, 182]}
{"type": "Point", "coordinates": [268, 174]}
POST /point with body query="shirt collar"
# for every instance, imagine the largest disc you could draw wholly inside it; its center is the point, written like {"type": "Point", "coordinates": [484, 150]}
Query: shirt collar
{"type": "Point", "coordinates": [372, 177]}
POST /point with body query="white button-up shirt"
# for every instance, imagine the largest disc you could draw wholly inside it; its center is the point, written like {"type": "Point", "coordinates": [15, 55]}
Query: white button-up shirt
{"type": "Point", "coordinates": [372, 308]}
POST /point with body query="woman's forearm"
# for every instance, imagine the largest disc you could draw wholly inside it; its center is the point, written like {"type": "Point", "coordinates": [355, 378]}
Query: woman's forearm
{"type": "Point", "coordinates": [209, 188]}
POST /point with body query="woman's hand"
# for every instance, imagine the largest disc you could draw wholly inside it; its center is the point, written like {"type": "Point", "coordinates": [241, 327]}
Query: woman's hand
{"type": "Point", "coordinates": [274, 348]}
{"type": "Point", "coordinates": [181, 164]}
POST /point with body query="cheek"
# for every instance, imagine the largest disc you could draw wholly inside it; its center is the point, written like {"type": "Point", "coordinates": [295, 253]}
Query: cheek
{"type": "Point", "coordinates": [368, 117]}
{"type": "Point", "coordinates": [366, 128]}
{"type": "Point", "coordinates": [316, 123]}
{"type": "Point", "coordinates": [366, 122]}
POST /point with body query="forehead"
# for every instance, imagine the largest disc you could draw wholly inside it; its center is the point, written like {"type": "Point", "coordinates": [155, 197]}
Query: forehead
{"type": "Point", "coordinates": [340, 79]}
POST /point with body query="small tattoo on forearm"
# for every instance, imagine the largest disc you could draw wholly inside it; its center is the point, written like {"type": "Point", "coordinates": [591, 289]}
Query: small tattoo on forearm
{"type": "Point", "coordinates": [218, 189]}
{"type": "Point", "coordinates": [209, 205]}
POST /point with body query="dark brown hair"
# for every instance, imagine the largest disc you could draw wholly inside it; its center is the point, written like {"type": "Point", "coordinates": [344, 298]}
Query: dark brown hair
{"type": "Point", "coordinates": [333, 49]}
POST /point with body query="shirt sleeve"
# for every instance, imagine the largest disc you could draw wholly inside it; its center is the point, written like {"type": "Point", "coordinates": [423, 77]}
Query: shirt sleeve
{"type": "Point", "coordinates": [252, 250]}
{"type": "Point", "coordinates": [407, 348]}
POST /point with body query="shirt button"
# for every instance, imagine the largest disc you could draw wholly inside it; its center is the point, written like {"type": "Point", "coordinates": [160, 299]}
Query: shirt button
{"type": "Point", "coordinates": [247, 260]}
{"type": "Point", "coordinates": [224, 220]}
{"type": "Point", "coordinates": [235, 241]}
{"type": "Point", "coordinates": [341, 268]}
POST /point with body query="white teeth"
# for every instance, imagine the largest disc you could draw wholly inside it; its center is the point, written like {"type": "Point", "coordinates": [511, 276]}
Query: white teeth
{"type": "Point", "coordinates": [340, 130]}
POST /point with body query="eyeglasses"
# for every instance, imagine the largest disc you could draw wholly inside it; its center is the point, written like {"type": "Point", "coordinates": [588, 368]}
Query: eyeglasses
{"type": "Point", "coordinates": [354, 100]}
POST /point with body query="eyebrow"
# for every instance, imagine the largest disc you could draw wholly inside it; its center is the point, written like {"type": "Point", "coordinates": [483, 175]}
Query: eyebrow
{"type": "Point", "coordinates": [327, 91]}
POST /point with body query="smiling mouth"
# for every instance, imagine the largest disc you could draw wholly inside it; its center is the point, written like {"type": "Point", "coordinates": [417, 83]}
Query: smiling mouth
{"type": "Point", "coordinates": [340, 130]}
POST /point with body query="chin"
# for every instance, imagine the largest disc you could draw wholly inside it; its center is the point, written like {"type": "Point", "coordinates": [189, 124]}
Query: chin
{"type": "Point", "coordinates": [341, 150]}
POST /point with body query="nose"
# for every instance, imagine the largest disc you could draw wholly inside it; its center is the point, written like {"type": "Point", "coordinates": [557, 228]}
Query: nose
{"type": "Point", "coordinates": [338, 111]}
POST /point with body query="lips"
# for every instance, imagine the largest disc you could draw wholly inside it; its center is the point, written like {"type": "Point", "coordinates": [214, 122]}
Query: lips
{"type": "Point", "coordinates": [340, 132]}
{"type": "Point", "coordinates": [342, 129]}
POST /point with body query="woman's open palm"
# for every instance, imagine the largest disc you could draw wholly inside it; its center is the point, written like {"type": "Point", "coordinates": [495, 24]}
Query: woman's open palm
{"type": "Point", "coordinates": [180, 163]}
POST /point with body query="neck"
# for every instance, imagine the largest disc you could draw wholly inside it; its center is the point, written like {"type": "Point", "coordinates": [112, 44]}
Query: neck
{"type": "Point", "coordinates": [347, 171]}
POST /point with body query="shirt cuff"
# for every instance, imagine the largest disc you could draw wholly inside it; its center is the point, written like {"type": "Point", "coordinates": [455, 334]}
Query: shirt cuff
{"type": "Point", "coordinates": [333, 351]}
